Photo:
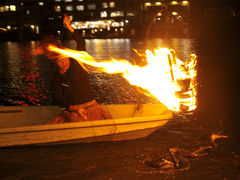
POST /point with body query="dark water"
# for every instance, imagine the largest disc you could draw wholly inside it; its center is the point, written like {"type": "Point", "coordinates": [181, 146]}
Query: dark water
{"type": "Point", "coordinates": [24, 80]}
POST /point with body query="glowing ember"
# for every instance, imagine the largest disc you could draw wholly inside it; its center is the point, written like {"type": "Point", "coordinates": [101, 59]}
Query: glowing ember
{"type": "Point", "coordinates": [170, 80]}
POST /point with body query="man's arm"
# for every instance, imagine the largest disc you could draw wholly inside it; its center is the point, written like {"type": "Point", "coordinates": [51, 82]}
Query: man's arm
{"type": "Point", "coordinates": [75, 34]}
{"type": "Point", "coordinates": [81, 46]}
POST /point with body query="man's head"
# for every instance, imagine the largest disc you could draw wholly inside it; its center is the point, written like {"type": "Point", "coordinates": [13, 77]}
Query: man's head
{"type": "Point", "coordinates": [63, 64]}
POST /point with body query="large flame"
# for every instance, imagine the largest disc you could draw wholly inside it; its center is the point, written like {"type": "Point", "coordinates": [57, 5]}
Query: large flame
{"type": "Point", "coordinates": [167, 78]}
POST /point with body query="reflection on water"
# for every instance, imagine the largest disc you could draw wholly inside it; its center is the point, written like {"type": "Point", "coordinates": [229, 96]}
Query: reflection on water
{"type": "Point", "coordinates": [25, 78]}
{"type": "Point", "coordinates": [183, 47]}
{"type": "Point", "coordinates": [105, 49]}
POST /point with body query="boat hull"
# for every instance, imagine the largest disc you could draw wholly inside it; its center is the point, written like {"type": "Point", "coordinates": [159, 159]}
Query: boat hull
{"type": "Point", "coordinates": [123, 128]}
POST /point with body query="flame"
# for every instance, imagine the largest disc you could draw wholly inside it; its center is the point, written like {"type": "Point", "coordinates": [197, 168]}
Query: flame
{"type": "Point", "coordinates": [167, 78]}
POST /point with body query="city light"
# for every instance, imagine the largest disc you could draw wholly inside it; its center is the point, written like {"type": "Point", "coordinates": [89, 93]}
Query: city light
{"type": "Point", "coordinates": [69, 8]}
{"type": "Point", "coordinates": [158, 3]}
{"type": "Point", "coordinates": [148, 4]}
{"type": "Point", "coordinates": [12, 8]}
{"type": "Point", "coordinates": [185, 3]}
{"type": "Point", "coordinates": [105, 5]}
{"type": "Point", "coordinates": [2, 9]}
{"type": "Point", "coordinates": [112, 4]}
{"type": "Point", "coordinates": [79, 7]}
{"type": "Point", "coordinates": [174, 3]}
{"type": "Point", "coordinates": [6, 8]}
{"type": "Point", "coordinates": [104, 24]}
{"type": "Point", "coordinates": [3, 29]}
{"type": "Point", "coordinates": [103, 14]}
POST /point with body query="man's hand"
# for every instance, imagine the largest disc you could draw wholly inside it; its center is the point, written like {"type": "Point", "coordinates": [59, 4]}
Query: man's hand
{"type": "Point", "coordinates": [67, 23]}
{"type": "Point", "coordinates": [66, 20]}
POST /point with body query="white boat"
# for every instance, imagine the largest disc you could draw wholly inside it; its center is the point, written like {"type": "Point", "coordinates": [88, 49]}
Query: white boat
{"type": "Point", "coordinates": [26, 125]}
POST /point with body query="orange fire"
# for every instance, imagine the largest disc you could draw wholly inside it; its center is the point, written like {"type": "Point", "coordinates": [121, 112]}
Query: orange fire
{"type": "Point", "coordinates": [167, 78]}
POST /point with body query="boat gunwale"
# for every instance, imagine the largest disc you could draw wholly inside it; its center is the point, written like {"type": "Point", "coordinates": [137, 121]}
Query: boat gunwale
{"type": "Point", "coordinates": [87, 124]}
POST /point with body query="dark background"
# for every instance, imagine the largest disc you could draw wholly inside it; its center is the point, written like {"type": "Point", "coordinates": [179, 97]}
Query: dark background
{"type": "Point", "coordinates": [219, 74]}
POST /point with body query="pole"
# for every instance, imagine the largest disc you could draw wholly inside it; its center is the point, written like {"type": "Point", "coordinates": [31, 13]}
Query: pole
{"type": "Point", "coordinates": [170, 65]}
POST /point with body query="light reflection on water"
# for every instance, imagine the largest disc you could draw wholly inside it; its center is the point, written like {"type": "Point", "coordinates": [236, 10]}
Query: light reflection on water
{"type": "Point", "coordinates": [24, 79]}
{"type": "Point", "coordinates": [105, 49]}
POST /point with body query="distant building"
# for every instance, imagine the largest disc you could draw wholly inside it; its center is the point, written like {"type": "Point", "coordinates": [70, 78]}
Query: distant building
{"type": "Point", "coordinates": [215, 16]}
{"type": "Point", "coordinates": [31, 19]}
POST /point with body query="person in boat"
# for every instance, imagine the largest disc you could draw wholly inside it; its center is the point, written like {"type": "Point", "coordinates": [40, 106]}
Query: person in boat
{"type": "Point", "coordinates": [71, 88]}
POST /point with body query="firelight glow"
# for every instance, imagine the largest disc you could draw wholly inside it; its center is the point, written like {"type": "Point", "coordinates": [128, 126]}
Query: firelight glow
{"type": "Point", "coordinates": [160, 76]}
